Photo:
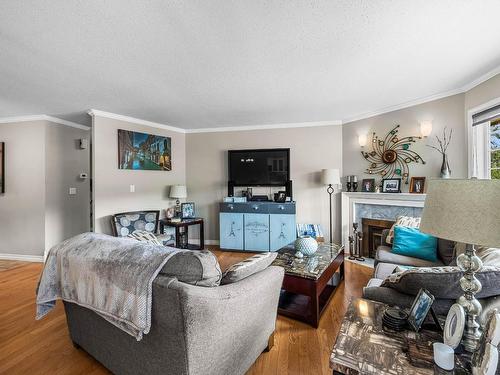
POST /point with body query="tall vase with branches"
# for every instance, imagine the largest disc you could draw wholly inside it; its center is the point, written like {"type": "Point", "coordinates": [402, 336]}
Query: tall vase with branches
{"type": "Point", "coordinates": [443, 144]}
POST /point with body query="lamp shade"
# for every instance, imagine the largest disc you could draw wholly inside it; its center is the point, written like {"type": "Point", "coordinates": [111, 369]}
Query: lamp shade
{"type": "Point", "coordinates": [466, 211]}
{"type": "Point", "coordinates": [178, 191]}
{"type": "Point", "coordinates": [330, 177]}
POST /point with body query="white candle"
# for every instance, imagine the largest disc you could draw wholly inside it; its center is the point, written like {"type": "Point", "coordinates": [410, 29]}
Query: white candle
{"type": "Point", "coordinates": [444, 356]}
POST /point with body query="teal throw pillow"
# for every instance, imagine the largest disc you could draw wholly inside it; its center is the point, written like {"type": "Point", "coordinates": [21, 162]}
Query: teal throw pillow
{"type": "Point", "coordinates": [413, 243]}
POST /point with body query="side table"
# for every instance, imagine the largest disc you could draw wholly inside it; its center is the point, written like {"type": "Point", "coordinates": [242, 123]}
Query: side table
{"type": "Point", "coordinates": [185, 224]}
{"type": "Point", "coordinates": [364, 346]}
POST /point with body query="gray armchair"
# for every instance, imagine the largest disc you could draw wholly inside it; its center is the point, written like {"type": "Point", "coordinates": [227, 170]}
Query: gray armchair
{"type": "Point", "coordinates": [195, 330]}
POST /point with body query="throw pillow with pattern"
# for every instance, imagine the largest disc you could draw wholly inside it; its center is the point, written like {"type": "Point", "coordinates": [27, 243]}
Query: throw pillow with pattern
{"type": "Point", "coordinates": [248, 267]}
{"type": "Point", "coordinates": [142, 235]}
{"type": "Point", "coordinates": [404, 221]}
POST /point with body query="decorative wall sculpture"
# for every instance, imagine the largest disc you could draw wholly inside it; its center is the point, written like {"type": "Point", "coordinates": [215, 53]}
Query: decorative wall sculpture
{"type": "Point", "coordinates": [391, 156]}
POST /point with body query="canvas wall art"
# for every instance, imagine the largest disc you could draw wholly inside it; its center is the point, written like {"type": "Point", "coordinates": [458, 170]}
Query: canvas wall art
{"type": "Point", "coordinates": [143, 151]}
{"type": "Point", "coordinates": [2, 167]}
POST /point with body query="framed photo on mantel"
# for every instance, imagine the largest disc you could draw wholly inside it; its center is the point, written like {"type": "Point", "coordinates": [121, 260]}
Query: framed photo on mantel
{"type": "Point", "coordinates": [417, 185]}
{"type": "Point", "coordinates": [368, 185]}
{"type": "Point", "coordinates": [391, 185]}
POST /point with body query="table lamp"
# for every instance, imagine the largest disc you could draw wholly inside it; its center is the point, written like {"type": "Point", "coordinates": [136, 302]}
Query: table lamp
{"type": "Point", "coordinates": [178, 192]}
{"type": "Point", "coordinates": [466, 211]}
{"type": "Point", "coordinates": [330, 177]}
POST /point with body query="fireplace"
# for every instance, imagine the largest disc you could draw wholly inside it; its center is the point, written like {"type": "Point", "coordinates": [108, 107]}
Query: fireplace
{"type": "Point", "coordinates": [381, 209]}
{"type": "Point", "coordinates": [372, 234]}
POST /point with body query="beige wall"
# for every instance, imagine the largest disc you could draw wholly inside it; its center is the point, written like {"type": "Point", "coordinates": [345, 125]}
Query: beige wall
{"type": "Point", "coordinates": [112, 185]}
{"type": "Point", "coordinates": [447, 112]}
{"type": "Point", "coordinates": [312, 149]}
{"type": "Point", "coordinates": [66, 215]}
{"type": "Point", "coordinates": [22, 218]}
{"type": "Point", "coordinates": [41, 163]}
{"type": "Point", "coordinates": [483, 93]}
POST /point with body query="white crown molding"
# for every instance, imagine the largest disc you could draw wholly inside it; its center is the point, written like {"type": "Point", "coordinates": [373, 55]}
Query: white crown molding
{"type": "Point", "coordinates": [25, 258]}
{"type": "Point", "coordinates": [426, 99]}
{"type": "Point", "coordinates": [266, 126]}
{"type": "Point", "coordinates": [66, 122]}
{"type": "Point", "coordinates": [115, 116]}
{"type": "Point", "coordinates": [52, 119]}
{"type": "Point", "coordinates": [481, 79]}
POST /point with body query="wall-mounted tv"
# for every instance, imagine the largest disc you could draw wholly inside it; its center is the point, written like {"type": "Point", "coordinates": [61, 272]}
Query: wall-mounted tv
{"type": "Point", "coordinates": [264, 167]}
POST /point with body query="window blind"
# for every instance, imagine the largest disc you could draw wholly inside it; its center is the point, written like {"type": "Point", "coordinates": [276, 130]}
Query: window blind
{"type": "Point", "coordinates": [487, 115]}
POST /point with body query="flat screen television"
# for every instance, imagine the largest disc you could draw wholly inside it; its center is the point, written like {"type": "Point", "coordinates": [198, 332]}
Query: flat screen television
{"type": "Point", "coordinates": [265, 167]}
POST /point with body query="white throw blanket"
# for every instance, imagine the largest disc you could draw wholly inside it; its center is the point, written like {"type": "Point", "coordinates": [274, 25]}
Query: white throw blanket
{"type": "Point", "coordinates": [111, 276]}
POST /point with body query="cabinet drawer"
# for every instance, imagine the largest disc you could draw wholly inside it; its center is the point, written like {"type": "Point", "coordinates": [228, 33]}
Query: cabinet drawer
{"type": "Point", "coordinates": [282, 208]}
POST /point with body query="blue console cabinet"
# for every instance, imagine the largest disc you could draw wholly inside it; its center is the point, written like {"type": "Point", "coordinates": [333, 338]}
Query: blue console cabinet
{"type": "Point", "coordinates": [257, 226]}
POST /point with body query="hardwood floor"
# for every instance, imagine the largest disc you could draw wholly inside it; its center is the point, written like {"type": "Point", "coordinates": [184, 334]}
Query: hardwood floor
{"type": "Point", "coordinates": [43, 347]}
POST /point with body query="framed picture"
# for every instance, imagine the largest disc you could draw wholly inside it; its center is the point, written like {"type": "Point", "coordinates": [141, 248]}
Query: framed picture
{"type": "Point", "coordinates": [2, 167]}
{"type": "Point", "coordinates": [187, 210]}
{"type": "Point", "coordinates": [170, 212]}
{"type": "Point", "coordinates": [391, 185]}
{"type": "Point", "coordinates": [420, 308]}
{"type": "Point", "coordinates": [417, 185]}
{"type": "Point", "coordinates": [368, 185]}
{"type": "Point", "coordinates": [143, 151]}
{"type": "Point", "coordinates": [481, 359]}
{"type": "Point", "coordinates": [454, 326]}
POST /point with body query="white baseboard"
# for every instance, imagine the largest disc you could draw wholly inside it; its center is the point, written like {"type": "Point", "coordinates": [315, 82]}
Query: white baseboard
{"type": "Point", "coordinates": [25, 258]}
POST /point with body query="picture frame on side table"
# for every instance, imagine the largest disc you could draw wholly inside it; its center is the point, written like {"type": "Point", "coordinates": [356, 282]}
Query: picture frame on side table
{"type": "Point", "coordinates": [454, 326]}
{"type": "Point", "coordinates": [417, 185]}
{"type": "Point", "coordinates": [391, 185]}
{"type": "Point", "coordinates": [420, 308]}
{"type": "Point", "coordinates": [368, 185]}
{"type": "Point", "coordinates": [187, 210]}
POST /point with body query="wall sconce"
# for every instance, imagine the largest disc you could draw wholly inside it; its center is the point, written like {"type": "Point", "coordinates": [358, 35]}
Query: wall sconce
{"type": "Point", "coordinates": [362, 139]}
{"type": "Point", "coordinates": [426, 128]}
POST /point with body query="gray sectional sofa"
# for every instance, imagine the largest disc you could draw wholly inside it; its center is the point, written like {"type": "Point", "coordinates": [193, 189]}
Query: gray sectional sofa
{"type": "Point", "coordinates": [195, 329]}
{"type": "Point", "coordinates": [441, 278]}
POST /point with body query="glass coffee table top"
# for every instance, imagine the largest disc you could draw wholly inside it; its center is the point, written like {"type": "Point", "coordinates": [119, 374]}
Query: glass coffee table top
{"type": "Point", "coordinates": [309, 267]}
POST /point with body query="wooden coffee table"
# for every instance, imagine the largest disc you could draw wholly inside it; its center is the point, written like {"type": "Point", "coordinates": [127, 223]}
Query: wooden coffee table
{"type": "Point", "coordinates": [364, 346]}
{"type": "Point", "coordinates": [306, 290]}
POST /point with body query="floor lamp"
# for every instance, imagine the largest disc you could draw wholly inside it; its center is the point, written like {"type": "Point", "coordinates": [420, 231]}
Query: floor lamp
{"type": "Point", "coordinates": [330, 177]}
{"type": "Point", "coordinates": [465, 211]}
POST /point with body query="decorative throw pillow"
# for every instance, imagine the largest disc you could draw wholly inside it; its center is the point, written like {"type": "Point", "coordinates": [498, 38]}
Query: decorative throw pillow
{"type": "Point", "coordinates": [442, 282]}
{"type": "Point", "coordinates": [413, 243]}
{"type": "Point", "coordinates": [142, 235]}
{"type": "Point", "coordinates": [248, 267]}
{"type": "Point", "coordinates": [403, 221]}
{"type": "Point", "coordinates": [199, 268]}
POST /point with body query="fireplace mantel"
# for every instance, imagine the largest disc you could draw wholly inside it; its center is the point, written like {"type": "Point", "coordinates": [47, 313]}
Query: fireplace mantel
{"type": "Point", "coordinates": [380, 205]}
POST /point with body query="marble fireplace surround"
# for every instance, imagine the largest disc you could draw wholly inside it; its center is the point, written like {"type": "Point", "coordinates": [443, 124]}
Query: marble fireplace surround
{"type": "Point", "coordinates": [388, 206]}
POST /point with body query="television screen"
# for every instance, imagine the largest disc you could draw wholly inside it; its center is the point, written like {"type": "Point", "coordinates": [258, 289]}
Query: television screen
{"type": "Point", "coordinates": [267, 167]}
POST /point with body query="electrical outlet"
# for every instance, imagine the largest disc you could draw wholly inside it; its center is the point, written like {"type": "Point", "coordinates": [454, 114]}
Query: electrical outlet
{"type": "Point", "coordinates": [132, 188]}
{"type": "Point", "coordinates": [72, 191]}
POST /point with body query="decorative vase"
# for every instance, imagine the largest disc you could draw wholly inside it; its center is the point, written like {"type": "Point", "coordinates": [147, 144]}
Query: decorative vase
{"type": "Point", "coordinates": [445, 168]}
{"type": "Point", "coordinates": [307, 245]}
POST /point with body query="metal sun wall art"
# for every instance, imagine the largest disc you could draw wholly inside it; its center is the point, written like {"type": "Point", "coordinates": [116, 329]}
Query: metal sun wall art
{"type": "Point", "coordinates": [392, 155]}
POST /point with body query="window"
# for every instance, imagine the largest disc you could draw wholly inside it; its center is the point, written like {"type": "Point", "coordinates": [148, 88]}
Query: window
{"type": "Point", "coordinates": [484, 143]}
{"type": "Point", "coordinates": [495, 149]}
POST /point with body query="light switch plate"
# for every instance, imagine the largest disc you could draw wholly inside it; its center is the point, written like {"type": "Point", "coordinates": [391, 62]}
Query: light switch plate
{"type": "Point", "coordinates": [72, 191]}
{"type": "Point", "coordinates": [132, 188]}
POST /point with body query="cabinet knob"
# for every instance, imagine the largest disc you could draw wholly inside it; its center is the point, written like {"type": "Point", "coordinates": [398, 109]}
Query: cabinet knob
{"type": "Point", "coordinates": [282, 208]}
{"type": "Point", "coordinates": [231, 207]}
{"type": "Point", "coordinates": [255, 207]}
